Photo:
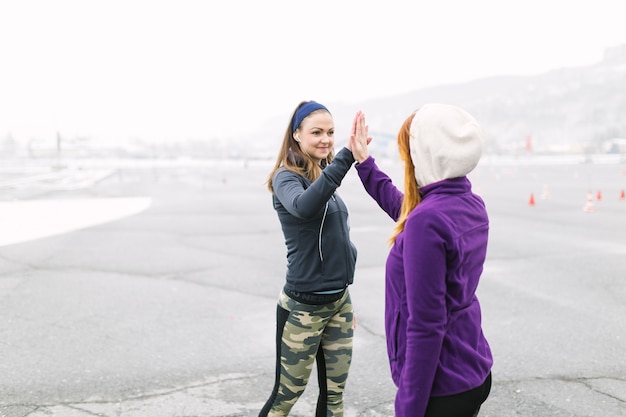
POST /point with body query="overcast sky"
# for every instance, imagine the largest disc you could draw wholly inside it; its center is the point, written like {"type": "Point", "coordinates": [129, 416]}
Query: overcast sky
{"type": "Point", "coordinates": [162, 70]}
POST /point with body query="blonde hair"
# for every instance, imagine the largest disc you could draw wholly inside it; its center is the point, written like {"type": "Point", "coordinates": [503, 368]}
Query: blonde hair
{"type": "Point", "coordinates": [292, 157]}
{"type": "Point", "coordinates": [412, 195]}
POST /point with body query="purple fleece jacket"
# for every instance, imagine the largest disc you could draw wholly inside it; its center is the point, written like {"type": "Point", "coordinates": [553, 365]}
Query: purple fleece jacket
{"type": "Point", "coordinates": [435, 341]}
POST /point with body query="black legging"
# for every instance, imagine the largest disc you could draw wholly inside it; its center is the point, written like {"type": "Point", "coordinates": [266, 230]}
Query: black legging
{"type": "Point", "coordinates": [465, 404]}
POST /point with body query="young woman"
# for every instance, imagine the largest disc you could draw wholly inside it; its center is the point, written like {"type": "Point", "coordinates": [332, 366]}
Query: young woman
{"type": "Point", "coordinates": [439, 358]}
{"type": "Point", "coordinates": [314, 318]}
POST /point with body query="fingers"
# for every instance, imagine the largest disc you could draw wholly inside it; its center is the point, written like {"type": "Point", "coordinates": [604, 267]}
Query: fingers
{"type": "Point", "coordinates": [359, 138]}
{"type": "Point", "coordinates": [360, 130]}
{"type": "Point", "coordinates": [364, 129]}
{"type": "Point", "coordinates": [359, 122]}
{"type": "Point", "coordinates": [354, 123]}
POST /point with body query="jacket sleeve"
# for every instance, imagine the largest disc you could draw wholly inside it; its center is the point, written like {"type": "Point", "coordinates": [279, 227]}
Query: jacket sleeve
{"type": "Point", "coordinates": [380, 187]}
{"type": "Point", "coordinates": [305, 203]}
{"type": "Point", "coordinates": [424, 257]}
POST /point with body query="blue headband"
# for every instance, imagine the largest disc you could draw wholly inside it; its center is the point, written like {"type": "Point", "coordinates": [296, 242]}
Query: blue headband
{"type": "Point", "coordinates": [303, 111]}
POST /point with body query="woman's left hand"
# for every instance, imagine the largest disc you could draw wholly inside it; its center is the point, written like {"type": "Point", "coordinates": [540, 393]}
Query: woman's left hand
{"type": "Point", "coordinates": [359, 138]}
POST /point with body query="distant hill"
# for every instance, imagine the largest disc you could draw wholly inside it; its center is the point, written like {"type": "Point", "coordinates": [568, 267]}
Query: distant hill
{"type": "Point", "coordinates": [578, 109]}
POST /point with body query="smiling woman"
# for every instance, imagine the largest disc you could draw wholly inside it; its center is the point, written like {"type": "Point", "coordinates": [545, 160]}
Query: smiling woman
{"type": "Point", "coordinates": [21, 221]}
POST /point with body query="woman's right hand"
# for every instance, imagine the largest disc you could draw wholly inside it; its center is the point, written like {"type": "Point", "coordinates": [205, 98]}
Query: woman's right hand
{"type": "Point", "coordinates": [359, 138]}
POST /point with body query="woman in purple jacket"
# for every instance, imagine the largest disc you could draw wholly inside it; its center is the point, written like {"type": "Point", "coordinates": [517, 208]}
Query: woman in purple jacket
{"type": "Point", "coordinates": [439, 358]}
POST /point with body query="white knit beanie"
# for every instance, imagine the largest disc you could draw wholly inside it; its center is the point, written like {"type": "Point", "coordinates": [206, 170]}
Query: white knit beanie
{"type": "Point", "coordinates": [445, 142]}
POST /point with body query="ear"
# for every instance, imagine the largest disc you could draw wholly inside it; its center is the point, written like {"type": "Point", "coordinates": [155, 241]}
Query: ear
{"type": "Point", "coordinates": [296, 137]}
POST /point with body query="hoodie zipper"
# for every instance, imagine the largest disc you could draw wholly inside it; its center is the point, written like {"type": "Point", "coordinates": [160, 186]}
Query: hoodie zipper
{"type": "Point", "coordinates": [319, 243]}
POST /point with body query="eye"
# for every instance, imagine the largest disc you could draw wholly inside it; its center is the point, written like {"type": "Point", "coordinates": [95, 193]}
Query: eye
{"type": "Point", "coordinates": [331, 133]}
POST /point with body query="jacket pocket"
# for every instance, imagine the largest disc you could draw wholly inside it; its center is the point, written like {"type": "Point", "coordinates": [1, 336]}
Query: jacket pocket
{"type": "Point", "coordinates": [392, 341]}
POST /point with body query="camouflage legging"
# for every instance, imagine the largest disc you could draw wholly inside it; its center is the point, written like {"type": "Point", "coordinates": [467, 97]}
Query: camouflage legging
{"type": "Point", "coordinates": [307, 333]}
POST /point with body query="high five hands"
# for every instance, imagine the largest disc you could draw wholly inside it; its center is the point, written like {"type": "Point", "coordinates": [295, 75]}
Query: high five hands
{"type": "Point", "coordinates": [359, 138]}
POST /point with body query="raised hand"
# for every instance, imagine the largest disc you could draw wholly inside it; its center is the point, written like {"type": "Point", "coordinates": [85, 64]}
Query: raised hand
{"type": "Point", "coordinates": [359, 138]}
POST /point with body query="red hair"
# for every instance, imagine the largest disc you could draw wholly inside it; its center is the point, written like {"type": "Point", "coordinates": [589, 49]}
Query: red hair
{"type": "Point", "coordinates": [412, 195]}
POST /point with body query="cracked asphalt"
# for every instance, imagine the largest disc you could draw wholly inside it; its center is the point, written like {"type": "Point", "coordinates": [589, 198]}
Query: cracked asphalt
{"type": "Point", "coordinates": [170, 312]}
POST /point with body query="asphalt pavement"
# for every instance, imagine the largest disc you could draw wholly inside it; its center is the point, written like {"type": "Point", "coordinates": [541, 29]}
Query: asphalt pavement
{"type": "Point", "coordinates": [169, 312]}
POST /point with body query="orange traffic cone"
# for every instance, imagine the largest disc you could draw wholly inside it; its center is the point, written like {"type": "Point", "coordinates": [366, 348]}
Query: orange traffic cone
{"type": "Point", "coordinates": [599, 195]}
{"type": "Point", "coordinates": [589, 205]}
{"type": "Point", "coordinates": [622, 195]}
{"type": "Point", "coordinates": [531, 201]}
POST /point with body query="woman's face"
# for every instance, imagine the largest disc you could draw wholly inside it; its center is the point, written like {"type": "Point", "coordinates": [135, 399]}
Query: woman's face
{"type": "Point", "coordinates": [316, 135]}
